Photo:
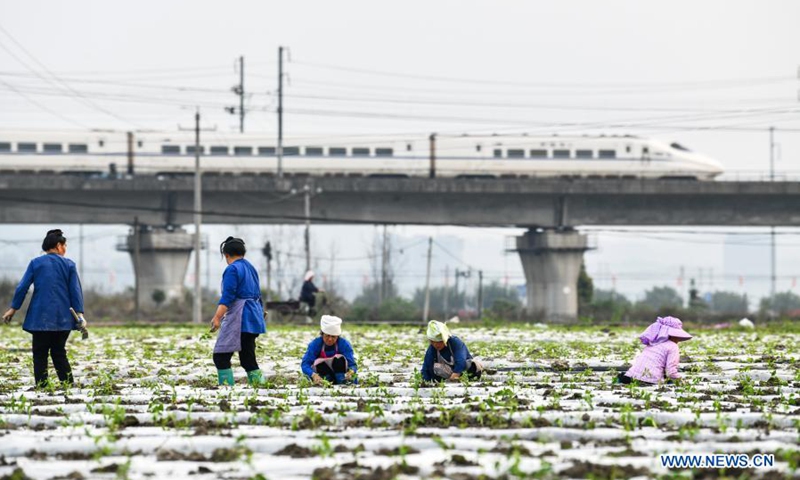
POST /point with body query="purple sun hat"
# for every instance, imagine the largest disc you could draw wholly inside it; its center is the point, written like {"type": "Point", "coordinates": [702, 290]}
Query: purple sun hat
{"type": "Point", "coordinates": [662, 329]}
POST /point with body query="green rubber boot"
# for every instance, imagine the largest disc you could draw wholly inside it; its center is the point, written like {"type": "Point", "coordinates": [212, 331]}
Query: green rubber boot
{"type": "Point", "coordinates": [255, 378]}
{"type": "Point", "coordinates": [225, 377]}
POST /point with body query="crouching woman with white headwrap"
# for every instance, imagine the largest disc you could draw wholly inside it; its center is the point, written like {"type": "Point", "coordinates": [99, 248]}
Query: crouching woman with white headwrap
{"type": "Point", "coordinates": [447, 357]}
{"type": "Point", "coordinates": [329, 356]}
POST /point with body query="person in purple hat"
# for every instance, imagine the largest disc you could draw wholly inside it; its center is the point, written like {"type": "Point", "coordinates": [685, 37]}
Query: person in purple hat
{"type": "Point", "coordinates": [661, 355]}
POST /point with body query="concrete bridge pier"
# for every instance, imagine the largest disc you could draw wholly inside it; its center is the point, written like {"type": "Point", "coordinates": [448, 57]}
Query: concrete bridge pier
{"type": "Point", "coordinates": [160, 258]}
{"type": "Point", "coordinates": [551, 260]}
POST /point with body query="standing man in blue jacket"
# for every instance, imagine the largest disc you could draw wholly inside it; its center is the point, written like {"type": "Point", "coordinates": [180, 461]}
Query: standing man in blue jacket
{"type": "Point", "coordinates": [56, 289]}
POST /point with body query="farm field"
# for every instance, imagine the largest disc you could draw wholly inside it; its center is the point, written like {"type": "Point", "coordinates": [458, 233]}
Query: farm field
{"type": "Point", "coordinates": [146, 405]}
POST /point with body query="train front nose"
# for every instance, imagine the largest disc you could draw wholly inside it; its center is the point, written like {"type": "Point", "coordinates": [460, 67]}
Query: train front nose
{"type": "Point", "coordinates": [710, 166]}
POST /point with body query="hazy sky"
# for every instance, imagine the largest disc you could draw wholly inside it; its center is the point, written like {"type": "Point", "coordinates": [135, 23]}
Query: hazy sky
{"type": "Point", "coordinates": [713, 75]}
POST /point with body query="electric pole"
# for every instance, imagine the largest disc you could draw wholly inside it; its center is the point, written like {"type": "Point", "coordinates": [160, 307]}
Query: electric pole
{"type": "Point", "coordinates": [772, 228]}
{"type": "Point", "coordinates": [427, 284]}
{"type": "Point", "coordinates": [432, 172]}
{"type": "Point", "coordinates": [136, 266]}
{"type": "Point", "coordinates": [130, 153]}
{"type": "Point", "coordinates": [198, 220]}
{"type": "Point", "coordinates": [239, 91]}
{"type": "Point", "coordinates": [241, 94]}
{"type": "Point", "coordinates": [280, 112]}
{"type": "Point", "coordinates": [307, 192]}
{"type": "Point", "coordinates": [382, 292]}
{"type": "Point", "coordinates": [446, 289]}
{"type": "Point", "coordinates": [267, 251]}
{"type": "Point", "coordinates": [80, 244]}
{"type": "Point", "coordinates": [480, 294]}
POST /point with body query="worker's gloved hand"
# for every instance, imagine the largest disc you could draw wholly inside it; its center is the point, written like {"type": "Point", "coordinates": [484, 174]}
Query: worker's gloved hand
{"type": "Point", "coordinates": [8, 315]}
{"type": "Point", "coordinates": [455, 377]}
{"type": "Point", "coordinates": [349, 375]}
{"type": "Point", "coordinates": [316, 379]}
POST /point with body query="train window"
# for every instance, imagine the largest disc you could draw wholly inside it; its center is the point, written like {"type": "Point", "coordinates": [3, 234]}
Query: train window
{"type": "Point", "coordinates": [384, 152]}
{"type": "Point", "coordinates": [140, 144]}
{"type": "Point", "coordinates": [5, 146]}
{"type": "Point", "coordinates": [678, 146]}
{"type": "Point", "coordinates": [337, 151]}
{"type": "Point", "coordinates": [266, 151]}
{"type": "Point", "coordinates": [78, 148]}
{"type": "Point", "coordinates": [26, 148]}
{"type": "Point", "coordinates": [190, 149]}
{"type": "Point", "coordinates": [539, 153]}
{"type": "Point", "coordinates": [607, 153]}
{"type": "Point", "coordinates": [516, 153]}
{"type": "Point", "coordinates": [561, 154]}
{"type": "Point", "coordinates": [101, 143]}
{"type": "Point", "coordinates": [627, 149]}
{"type": "Point", "coordinates": [242, 150]}
{"type": "Point", "coordinates": [498, 153]}
{"type": "Point", "coordinates": [170, 149]}
{"type": "Point", "coordinates": [408, 147]}
{"type": "Point", "coordinates": [219, 150]}
{"type": "Point", "coordinates": [361, 152]}
{"type": "Point", "coordinates": [645, 150]}
{"type": "Point", "coordinates": [315, 151]}
{"type": "Point", "coordinates": [291, 151]}
{"type": "Point", "coordinates": [584, 154]}
{"type": "Point", "coordinates": [53, 148]}
{"type": "Point", "coordinates": [478, 148]}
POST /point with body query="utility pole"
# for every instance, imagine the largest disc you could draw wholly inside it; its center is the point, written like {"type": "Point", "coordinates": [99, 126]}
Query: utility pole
{"type": "Point", "coordinates": [432, 172]}
{"type": "Point", "coordinates": [198, 220]}
{"type": "Point", "coordinates": [446, 289]}
{"type": "Point", "coordinates": [130, 153]}
{"type": "Point", "coordinates": [772, 228]}
{"type": "Point", "coordinates": [280, 112]}
{"type": "Point", "coordinates": [455, 299]}
{"type": "Point", "coordinates": [137, 246]}
{"type": "Point", "coordinates": [307, 192]}
{"type": "Point", "coordinates": [241, 94]}
{"type": "Point", "coordinates": [427, 284]}
{"type": "Point", "coordinates": [383, 291]}
{"type": "Point", "coordinates": [80, 244]}
{"type": "Point", "coordinates": [480, 294]}
{"type": "Point", "coordinates": [239, 91]}
{"type": "Point", "coordinates": [267, 251]}
{"type": "Point", "coordinates": [307, 197]}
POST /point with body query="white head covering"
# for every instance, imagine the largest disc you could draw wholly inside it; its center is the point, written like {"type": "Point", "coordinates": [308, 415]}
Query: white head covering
{"type": "Point", "coordinates": [330, 325]}
{"type": "Point", "coordinates": [309, 275]}
{"type": "Point", "coordinates": [437, 331]}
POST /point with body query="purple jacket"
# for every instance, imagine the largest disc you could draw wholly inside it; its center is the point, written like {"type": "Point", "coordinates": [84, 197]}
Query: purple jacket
{"type": "Point", "coordinates": [649, 366]}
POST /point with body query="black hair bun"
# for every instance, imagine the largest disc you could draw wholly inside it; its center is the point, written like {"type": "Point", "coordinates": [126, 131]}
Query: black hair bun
{"type": "Point", "coordinates": [232, 246]}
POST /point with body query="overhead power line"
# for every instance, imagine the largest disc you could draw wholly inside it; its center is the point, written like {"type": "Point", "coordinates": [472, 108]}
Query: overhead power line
{"type": "Point", "coordinates": [74, 93]}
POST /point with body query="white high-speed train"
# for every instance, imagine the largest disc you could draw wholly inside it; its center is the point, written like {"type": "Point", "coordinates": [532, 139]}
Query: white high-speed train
{"type": "Point", "coordinates": [101, 152]}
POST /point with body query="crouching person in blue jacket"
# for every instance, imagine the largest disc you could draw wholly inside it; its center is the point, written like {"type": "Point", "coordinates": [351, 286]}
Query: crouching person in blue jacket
{"type": "Point", "coordinates": [447, 357]}
{"type": "Point", "coordinates": [329, 356]}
